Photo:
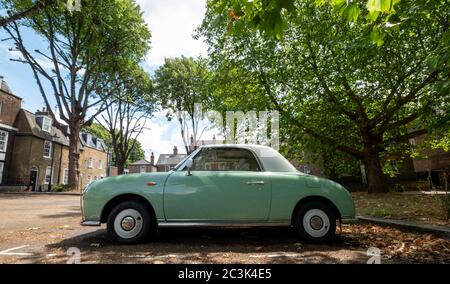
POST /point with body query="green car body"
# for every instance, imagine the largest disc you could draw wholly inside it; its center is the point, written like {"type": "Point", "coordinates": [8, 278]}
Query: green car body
{"type": "Point", "coordinates": [242, 198]}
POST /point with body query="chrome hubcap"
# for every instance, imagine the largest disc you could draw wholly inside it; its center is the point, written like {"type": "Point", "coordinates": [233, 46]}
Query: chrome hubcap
{"type": "Point", "coordinates": [316, 223]}
{"type": "Point", "coordinates": [128, 223]}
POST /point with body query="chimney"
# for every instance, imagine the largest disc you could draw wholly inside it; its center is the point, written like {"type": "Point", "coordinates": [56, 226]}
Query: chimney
{"type": "Point", "coordinates": [152, 159]}
{"type": "Point", "coordinates": [175, 150]}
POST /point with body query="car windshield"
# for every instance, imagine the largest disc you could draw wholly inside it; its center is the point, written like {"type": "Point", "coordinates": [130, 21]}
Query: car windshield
{"type": "Point", "coordinates": [274, 161]}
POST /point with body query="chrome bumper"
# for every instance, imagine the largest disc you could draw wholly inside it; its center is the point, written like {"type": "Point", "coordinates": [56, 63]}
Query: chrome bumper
{"type": "Point", "coordinates": [91, 223]}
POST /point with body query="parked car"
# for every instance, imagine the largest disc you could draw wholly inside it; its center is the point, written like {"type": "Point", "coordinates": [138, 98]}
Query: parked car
{"type": "Point", "coordinates": [219, 185]}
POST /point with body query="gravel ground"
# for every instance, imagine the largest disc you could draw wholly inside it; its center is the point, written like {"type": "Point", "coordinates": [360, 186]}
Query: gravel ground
{"type": "Point", "coordinates": [45, 229]}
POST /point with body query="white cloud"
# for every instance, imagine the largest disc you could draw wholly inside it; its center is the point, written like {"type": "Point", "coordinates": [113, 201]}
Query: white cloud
{"type": "Point", "coordinates": [172, 24]}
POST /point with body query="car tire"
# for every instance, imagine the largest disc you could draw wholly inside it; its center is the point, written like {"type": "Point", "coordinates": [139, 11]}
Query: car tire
{"type": "Point", "coordinates": [130, 222]}
{"type": "Point", "coordinates": [315, 223]}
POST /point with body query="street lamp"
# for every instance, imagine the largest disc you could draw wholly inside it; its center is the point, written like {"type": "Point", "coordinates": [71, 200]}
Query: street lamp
{"type": "Point", "coordinates": [55, 138]}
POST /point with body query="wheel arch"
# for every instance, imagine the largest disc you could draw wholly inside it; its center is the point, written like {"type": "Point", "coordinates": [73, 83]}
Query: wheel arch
{"type": "Point", "coordinates": [322, 199]}
{"type": "Point", "coordinates": [109, 206]}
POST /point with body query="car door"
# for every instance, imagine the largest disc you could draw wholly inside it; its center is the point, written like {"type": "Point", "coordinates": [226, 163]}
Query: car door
{"type": "Point", "coordinates": [226, 184]}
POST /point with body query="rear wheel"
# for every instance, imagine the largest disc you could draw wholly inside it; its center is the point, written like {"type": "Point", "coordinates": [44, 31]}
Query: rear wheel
{"type": "Point", "coordinates": [129, 223]}
{"type": "Point", "coordinates": [315, 223]}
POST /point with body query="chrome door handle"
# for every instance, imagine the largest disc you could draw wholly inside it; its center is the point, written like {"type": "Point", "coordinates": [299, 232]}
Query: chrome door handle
{"type": "Point", "coordinates": [259, 182]}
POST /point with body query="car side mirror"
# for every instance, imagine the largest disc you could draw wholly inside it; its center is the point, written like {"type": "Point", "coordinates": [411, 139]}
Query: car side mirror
{"type": "Point", "coordinates": [189, 164]}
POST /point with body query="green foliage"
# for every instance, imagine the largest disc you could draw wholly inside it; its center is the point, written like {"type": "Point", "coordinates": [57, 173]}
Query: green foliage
{"type": "Point", "coordinates": [382, 212]}
{"type": "Point", "coordinates": [334, 88]}
{"type": "Point", "coordinates": [60, 188]}
{"type": "Point", "coordinates": [180, 84]}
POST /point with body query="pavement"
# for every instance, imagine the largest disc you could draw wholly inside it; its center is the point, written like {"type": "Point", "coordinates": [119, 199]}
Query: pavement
{"type": "Point", "coordinates": [45, 229]}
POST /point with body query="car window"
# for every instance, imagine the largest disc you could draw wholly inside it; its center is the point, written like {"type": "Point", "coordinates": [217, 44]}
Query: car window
{"type": "Point", "coordinates": [225, 159]}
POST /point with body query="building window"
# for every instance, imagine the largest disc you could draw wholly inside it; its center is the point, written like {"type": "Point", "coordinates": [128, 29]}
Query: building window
{"type": "Point", "coordinates": [46, 124]}
{"type": "Point", "coordinates": [89, 179]}
{"type": "Point", "coordinates": [100, 164]}
{"type": "Point", "coordinates": [90, 163]}
{"type": "Point", "coordinates": [66, 176]}
{"type": "Point", "coordinates": [1, 172]}
{"type": "Point", "coordinates": [48, 175]}
{"type": "Point", "coordinates": [3, 140]}
{"type": "Point", "coordinates": [1, 107]}
{"type": "Point", "coordinates": [143, 169]}
{"type": "Point", "coordinates": [47, 149]}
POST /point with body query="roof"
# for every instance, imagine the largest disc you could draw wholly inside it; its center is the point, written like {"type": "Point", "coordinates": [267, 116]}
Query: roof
{"type": "Point", "coordinates": [141, 163]}
{"type": "Point", "coordinates": [244, 146]}
{"type": "Point", "coordinates": [93, 142]}
{"type": "Point", "coordinates": [38, 132]}
{"type": "Point", "coordinates": [5, 88]}
{"type": "Point", "coordinates": [170, 159]}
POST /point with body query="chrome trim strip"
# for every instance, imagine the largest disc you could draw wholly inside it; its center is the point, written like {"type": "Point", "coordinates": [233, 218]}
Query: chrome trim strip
{"type": "Point", "coordinates": [91, 223]}
{"type": "Point", "coordinates": [221, 224]}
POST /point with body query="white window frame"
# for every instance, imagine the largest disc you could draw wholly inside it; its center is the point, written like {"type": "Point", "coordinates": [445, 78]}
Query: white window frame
{"type": "Point", "coordinates": [46, 142]}
{"type": "Point", "coordinates": [4, 146]}
{"type": "Point", "coordinates": [100, 164]}
{"type": "Point", "coordinates": [90, 163]}
{"type": "Point", "coordinates": [144, 168]}
{"type": "Point", "coordinates": [48, 173]}
{"type": "Point", "coordinates": [66, 176]}
{"type": "Point", "coordinates": [2, 166]}
{"type": "Point", "coordinates": [46, 124]}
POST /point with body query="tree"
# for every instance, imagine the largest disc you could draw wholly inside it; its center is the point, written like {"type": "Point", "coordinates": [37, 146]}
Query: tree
{"type": "Point", "coordinates": [137, 152]}
{"type": "Point", "coordinates": [337, 89]}
{"type": "Point", "coordinates": [180, 84]}
{"type": "Point", "coordinates": [84, 48]}
{"type": "Point", "coordinates": [30, 9]}
{"type": "Point", "coordinates": [272, 17]}
{"type": "Point", "coordinates": [125, 117]}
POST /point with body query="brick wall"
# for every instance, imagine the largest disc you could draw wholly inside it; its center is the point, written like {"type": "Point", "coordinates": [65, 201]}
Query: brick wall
{"type": "Point", "coordinates": [88, 173]}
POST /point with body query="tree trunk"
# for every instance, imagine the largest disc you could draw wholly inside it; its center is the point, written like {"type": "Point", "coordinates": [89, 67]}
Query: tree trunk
{"type": "Point", "coordinates": [376, 180]}
{"type": "Point", "coordinates": [120, 167]}
{"type": "Point", "coordinates": [74, 156]}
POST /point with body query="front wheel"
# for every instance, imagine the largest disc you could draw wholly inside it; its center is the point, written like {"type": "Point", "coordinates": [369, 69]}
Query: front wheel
{"type": "Point", "coordinates": [315, 223]}
{"type": "Point", "coordinates": [129, 223]}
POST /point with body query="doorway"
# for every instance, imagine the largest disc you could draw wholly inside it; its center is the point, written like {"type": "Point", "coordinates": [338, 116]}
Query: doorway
{"type": "Point", "coordinates": [33, 178]}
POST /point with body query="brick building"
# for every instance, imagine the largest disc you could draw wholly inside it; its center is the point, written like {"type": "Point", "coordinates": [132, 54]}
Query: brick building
{"type": "Point", "coordinates": [40, 152]}
{"type": "Point", "coordinates": [10, 106]}
{"type": "Point", "coordinates": [93, 159]}
{"type": "Point", "coordinates": [167, 161]}
{"type": "Point", "coordinates": [143, 166]}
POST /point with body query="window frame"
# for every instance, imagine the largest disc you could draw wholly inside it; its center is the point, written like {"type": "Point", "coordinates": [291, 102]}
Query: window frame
{"type": "Point", "coordinates": [48, 127]}
{"type": "Point", "coordinates": [5, 147]}
{"type": "Point", "coordinates": [50, 174]}
{"type": "Point", "coordinates": [258, 162]}
{"type": "Point", "coordinates": [50, 149]}
{"type": "Point", "coordinates": [65, 178]}
{"type": "Point", "coordinates": [90, 163]}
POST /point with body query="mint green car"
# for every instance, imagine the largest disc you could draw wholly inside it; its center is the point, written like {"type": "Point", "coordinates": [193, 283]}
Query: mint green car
{"type": "Point", "coordinates": [219, 185]}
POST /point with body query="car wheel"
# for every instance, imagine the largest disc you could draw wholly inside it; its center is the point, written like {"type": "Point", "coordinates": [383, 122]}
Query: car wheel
{"type": "Point", "coordinates": [315, 223]}
{"type": "Point", "coordinates": [129, 223]}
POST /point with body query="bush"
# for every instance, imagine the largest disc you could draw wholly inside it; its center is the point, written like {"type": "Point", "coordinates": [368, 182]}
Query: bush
{"type": "Point", "coordinates": [382, 212]}
{"type": "Point", "coordinates": [60, 188]}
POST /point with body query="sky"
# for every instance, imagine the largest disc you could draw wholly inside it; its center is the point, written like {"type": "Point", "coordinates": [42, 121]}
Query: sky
{"type": "Point", "coordinates": [172, 24]}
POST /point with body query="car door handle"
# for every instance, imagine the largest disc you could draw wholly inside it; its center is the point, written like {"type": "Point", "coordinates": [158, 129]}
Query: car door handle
{"type": "Point", "coordinates": [258, 182]}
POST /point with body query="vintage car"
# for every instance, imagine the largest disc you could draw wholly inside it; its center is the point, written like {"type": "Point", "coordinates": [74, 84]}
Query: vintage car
{"type": "Point", "coordinates": [219, 185]}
